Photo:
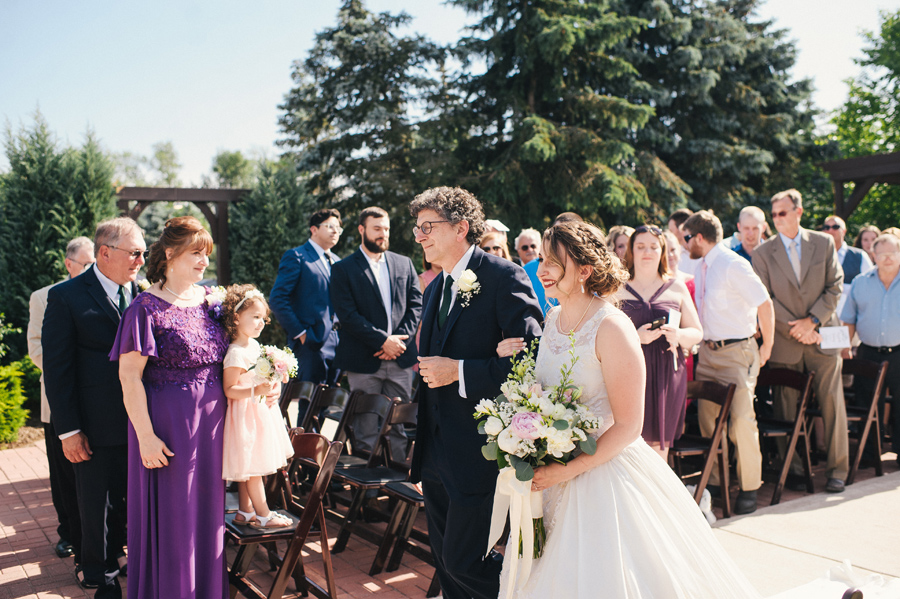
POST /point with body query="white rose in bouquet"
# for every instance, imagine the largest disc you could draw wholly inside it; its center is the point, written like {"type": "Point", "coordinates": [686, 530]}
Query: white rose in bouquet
{"type": "Point", "coordinates": [493, 426]}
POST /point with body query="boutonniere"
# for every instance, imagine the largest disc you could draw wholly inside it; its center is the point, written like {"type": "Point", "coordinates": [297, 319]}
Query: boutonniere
{"type": "Point", "coordinates": [468, 286]}
{"type": "Point", "coordinates": [143, 285]}
{"type": "Point", "coordinates": [214, 300]}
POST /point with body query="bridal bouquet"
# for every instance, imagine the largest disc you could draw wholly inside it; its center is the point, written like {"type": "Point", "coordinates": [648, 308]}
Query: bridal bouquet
{"type": "Point", "coordinates": [274, 365]}
{"type": "Point", "coordinates": [527, 426]}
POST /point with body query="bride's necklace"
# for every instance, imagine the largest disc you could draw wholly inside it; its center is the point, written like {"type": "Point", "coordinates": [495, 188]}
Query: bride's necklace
{"type": "Point", "coordinates": [583, 314]}
{"type": "Point", "coordinates": [184, 299]}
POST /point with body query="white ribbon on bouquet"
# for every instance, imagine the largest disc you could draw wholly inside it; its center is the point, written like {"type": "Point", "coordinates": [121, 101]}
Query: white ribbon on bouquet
{"type": "Point", "coordinates": [515, 497]}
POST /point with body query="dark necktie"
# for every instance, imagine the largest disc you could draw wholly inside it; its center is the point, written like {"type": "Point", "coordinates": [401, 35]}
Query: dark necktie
{"type": "Point", "coordinates": [445, 302]}
{"type": "Point", "coordinates": [122, 303]}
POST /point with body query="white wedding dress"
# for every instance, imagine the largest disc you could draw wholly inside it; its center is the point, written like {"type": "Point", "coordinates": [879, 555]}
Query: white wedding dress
{"type": "Point", "coordinates": [627, 529]}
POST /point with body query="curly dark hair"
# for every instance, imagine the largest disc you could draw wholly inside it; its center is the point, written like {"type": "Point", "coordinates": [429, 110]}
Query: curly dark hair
{"type": "Point", "coordinates": [585, 244]}
{"type": "Point", "coordinates": [181, 234]}
{"type": "Point", "coordinates": [453, 204]}
{"type": "Point", "coordinates": [233, 296]}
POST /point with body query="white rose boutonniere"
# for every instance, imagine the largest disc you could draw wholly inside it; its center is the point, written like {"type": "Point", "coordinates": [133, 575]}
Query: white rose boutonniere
{"type": "Point", "coordinates": [468, 286]}
{"type": "Point", "coordinates": [143, 285]}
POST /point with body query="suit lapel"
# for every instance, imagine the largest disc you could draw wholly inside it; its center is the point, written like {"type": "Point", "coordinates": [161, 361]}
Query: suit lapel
{"type": "Point", "coordinates": [313, 256]}
{"type": "Point", "coordinates": [807, 253]}
{"type": "Point", "coordinates": [95, 289]}
{"type": "Point", "coordinates": [429, 313]}
{"type": "Point", "coordinates": [784, 263]}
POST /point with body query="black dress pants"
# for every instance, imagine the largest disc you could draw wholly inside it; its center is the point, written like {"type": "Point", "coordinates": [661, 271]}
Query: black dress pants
{"type": "Point", "coordinates": [63, 491]}
{"type": "Point", "coordinates": [102, 484]}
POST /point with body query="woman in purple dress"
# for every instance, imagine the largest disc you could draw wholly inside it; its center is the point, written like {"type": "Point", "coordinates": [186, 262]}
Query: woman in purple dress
{"type": "Point", "coordinates": [652, 294]}
{"type": "Point", "coordinates": [170, 350]}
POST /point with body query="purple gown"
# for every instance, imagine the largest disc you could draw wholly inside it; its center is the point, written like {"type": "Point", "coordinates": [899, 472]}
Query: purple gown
{"type": "Point", "coordinates": [176, 514]}
{"type": "Point", "coordinates": [666, 390]}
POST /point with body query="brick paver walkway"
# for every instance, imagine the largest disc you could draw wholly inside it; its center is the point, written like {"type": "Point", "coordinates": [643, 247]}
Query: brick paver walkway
{"type": "Point", "coordinates": [30, 569]}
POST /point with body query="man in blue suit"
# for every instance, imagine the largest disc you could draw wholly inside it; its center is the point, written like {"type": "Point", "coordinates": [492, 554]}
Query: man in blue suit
{"type": "Point", "coordinates": [478, 301]}
{"type": "Point", "coordinates": [375, 294]}
{"type": "Point", "coordinates": [301, 301]}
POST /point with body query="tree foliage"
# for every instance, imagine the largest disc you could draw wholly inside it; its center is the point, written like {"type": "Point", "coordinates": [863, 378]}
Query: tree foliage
{"type": "Point", "coordinates": [268, 221]}
{"type": "Point", "coordinates": [869, 121]}
{"type": "Point", "coordinates": [232, 170]}
{"type": "Point", "coordinates": [353, 120]}
{"type": "Point", "coordinates": [50, 195]}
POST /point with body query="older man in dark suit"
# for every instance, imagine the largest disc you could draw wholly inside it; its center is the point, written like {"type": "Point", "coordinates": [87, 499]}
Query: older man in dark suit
{"type": "Point", "coordinates": [376, 296]}
{"type": "Point", "coordinates": [479, 300]}
{"type": "Point", "coordinates": [301, 301]}
{"type": "Point", "coordinates": [85, 395]}
{"type": "Point", "coordinates": [802, 273]}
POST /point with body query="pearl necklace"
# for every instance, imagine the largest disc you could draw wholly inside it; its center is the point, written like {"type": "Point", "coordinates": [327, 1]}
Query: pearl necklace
{"type": "Point", "coordinates": [184, 299]}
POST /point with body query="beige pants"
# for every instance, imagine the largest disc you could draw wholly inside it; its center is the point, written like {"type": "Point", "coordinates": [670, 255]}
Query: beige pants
{"type": "Point", "coordinates": [737, 363]}
{"type": "Point", "coordinates": [830, 393]}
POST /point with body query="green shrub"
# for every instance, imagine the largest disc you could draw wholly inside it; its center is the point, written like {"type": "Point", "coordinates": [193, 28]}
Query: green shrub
{"type": "Point", "coordinates": [12, 414]}
{"type": "Point", "coordinates": [31, 386]}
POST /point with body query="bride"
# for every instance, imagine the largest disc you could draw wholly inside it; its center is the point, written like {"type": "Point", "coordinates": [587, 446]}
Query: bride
{"type": "Point", "coordinates": [620, 524]}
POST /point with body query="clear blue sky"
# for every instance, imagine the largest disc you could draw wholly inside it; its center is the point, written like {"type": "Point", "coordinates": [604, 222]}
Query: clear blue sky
{"type": "Point", "coordinates": [209, 76]}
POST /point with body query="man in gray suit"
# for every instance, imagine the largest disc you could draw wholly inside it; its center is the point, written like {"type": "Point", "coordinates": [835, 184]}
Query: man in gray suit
{"type": "Point", "coordinates": [800, 269]}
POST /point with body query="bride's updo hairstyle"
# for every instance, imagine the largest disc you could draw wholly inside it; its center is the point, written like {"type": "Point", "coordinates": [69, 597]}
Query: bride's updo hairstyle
{"type": "Point", "coordinates": [181, 234]}
{"type": "Point", "coordinates": [586, 245]}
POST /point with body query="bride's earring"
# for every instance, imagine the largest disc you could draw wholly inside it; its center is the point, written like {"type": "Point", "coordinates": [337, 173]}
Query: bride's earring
{"type": "Point", "coordinates": [582, 285]}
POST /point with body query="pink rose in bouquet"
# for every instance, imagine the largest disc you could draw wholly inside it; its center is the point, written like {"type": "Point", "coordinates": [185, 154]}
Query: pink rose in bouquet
{"type": "Point", "coordinates": [527, 425]}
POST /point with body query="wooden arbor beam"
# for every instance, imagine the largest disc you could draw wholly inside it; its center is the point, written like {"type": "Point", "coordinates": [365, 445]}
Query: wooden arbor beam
{"type": "Point", "coordinates": [864, 172]}
{"type": "Point", "coordinates": [213, 203]}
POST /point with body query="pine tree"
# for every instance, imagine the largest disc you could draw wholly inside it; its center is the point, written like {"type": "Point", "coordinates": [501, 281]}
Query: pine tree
{"type": "Point", "coordinates": [548, 127]}
{"type": "Point", "coordinates": [728, 119]}
{"type": "Point", "coordinates": [50, 195]}
{"type": "Point", "coordinates": [349, 120]}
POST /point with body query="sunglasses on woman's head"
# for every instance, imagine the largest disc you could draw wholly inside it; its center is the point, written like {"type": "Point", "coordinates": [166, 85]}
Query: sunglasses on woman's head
{"type": "Point", "coordinates": [649, 229]}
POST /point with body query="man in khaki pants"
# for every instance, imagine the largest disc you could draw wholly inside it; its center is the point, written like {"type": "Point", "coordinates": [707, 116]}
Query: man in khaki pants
{"type": "Point", "coordinates": [730, 298]}
{"type": "Point", "coordinates": [800, 269]}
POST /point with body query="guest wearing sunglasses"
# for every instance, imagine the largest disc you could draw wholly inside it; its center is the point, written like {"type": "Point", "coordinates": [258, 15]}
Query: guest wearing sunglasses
{"type": "Point", "coordinates": [800, 269]}
{"type": "Point", "coordinates": [527, 244]}
{"type": "Point", "coordinates": [495, 243]}
{"type": "Point", "coordinates": [652, 293]}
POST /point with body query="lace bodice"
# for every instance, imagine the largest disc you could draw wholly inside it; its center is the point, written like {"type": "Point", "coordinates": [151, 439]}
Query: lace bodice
{"type": "Point", "coordinates": [184, 345]}
{"type": "Point", "coordinates": [554, 354]}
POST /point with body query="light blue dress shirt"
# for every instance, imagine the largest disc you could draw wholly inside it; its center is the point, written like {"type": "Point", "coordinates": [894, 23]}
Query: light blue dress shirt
{"type": "Point", "coordinates": [874, 310]}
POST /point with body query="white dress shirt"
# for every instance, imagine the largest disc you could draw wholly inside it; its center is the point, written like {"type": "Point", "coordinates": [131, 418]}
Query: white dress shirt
{"type": "Point", "coordinates": [383, 279]}
{"type": "Point", "coordinates": [731, 298]}
{"type": "Point", "coordinates": [457, 272]}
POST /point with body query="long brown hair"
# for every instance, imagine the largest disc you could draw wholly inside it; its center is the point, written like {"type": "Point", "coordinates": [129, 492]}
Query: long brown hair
{"type": "Point", "coordinates": [181, 234]}
{"type": "Point", "coordinates": [663, 268]}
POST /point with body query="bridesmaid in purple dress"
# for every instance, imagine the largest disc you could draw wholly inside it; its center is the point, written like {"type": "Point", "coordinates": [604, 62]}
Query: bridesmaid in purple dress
{"type": "Point", "coordinates": [651, 294]}
{"type": "Point", "coordinates": [170, 351]}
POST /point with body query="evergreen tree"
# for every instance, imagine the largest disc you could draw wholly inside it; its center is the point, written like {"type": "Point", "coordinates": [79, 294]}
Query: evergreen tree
{"type": "Point", "coordinates": [267, 222]}
{"type": "Point", "coordinates": [728, 119]}
{"type": "Point", "coordinates": [548, 126]}
{"type": "Point", "coordinates": [50, 195]}
{"type": "Point", "coordinates": [348, 121]}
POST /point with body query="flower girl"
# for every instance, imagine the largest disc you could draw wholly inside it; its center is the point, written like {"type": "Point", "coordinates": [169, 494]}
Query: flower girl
{"type": "Point", "coordinates": [256, 440]}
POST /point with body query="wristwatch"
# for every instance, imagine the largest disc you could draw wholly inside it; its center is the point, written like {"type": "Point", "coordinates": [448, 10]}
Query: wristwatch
{"type": "Point", "coordinates": [814, 320]}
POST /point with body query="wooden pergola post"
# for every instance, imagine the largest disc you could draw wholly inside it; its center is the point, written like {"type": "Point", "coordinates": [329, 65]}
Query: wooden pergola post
{"type": "Point", "coordinates": [213, 203]}
{"type": "Point", "coordinates": [864, 172]}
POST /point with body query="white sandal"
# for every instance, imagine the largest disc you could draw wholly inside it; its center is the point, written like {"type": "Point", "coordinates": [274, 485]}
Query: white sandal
{"type": "Point", "coordinates": [249, 518]}
{"type": "Point", "coordinates": [273, 520]}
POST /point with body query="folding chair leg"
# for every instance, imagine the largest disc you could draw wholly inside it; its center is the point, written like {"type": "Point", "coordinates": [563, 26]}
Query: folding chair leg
{"type": "Point", "coordinates": [349, 521]}
{"type": "Point", "coordinates": [243, 559]}
{"type": "Point", "coordinates": [327, 566]}
{"type": "Point", "coordinates": [723, 479]}
{"type": "Point", "coordinates": [390, 534]}
{"type": "Point", "coordinates": [403, 539]}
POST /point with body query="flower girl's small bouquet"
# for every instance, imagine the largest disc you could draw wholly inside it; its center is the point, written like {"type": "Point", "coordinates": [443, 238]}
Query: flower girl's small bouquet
{"type": "Point", "coordinates": [528, 426]}
{"type": "Point", "coordinates": [274, 365]}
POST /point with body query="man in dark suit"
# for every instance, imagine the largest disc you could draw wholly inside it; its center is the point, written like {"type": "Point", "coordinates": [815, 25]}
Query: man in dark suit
{"type": "Point", "coordinates": [85, 395]}
{"type": "Point", "coordinates": [479, 300]}
{"type": "Point", "coordinates": [376, 297]}
{"type": "Point", "coordinates": [801, 271]}
{"type": "Point", "coordinates": [301, 302]}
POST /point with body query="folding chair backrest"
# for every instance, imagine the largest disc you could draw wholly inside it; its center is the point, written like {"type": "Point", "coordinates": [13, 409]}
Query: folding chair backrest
{"type": "Point", "coordinates": [402, 414]}
{"type": "Point", "coordinates": [332, 400]}
{"type": "Point", "coordinates": [718, 394]}
{"type": "Point", "coordinates": [792, 379]}
{"type": "Point", "coordinates": [877, 371]}
{"type": "Point", "coordinates": [294, 390]}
